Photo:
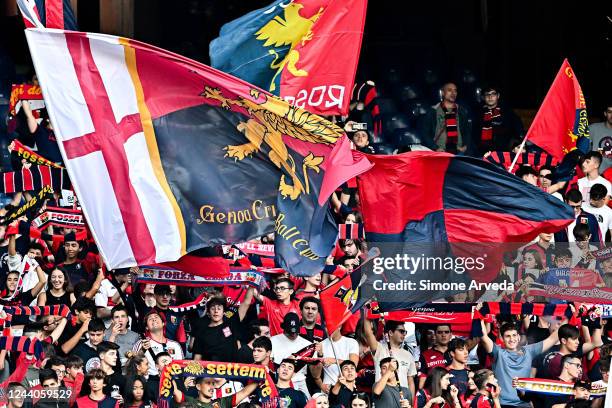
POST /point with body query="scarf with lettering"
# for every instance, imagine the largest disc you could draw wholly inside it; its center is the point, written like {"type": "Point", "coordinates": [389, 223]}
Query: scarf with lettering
{"type": "Point", "coordinates": [30, 155]}
{"type": "Point", "coordinates": [180, 369]}
{"type": "Point", "coordinates": [487, 123]}
{"type": "Point", "coordinates": [30, 208]}
{"type": "Point", "coordinates": [34, 179]}
{"type": "Point", "coordinates": [168, 276]}
{"type": "Point", "coordinates": [555, 387]}
{"type": "Point", "coordinates": [60, 217]}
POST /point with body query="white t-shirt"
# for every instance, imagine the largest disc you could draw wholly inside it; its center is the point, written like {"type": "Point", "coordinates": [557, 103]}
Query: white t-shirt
{"type": "Point", "coordinates": [603, 215]}
{"type": "Point", "coordinates": [171, 347]}
{"type": "Point", "coordinates": [407, 366]}
{"type": "Point", "coordinates": [106, 291]}
{"type": "Point", "coordinates": [344, 348]}
{"type": "Point", "coordinates": [283, 347]}
{"type": "Point", "coordinates": [584, 185]}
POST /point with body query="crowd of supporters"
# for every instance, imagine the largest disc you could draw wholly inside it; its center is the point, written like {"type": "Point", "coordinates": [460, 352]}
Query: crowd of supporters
{"type": "Point", "coordinates": [113, 346]}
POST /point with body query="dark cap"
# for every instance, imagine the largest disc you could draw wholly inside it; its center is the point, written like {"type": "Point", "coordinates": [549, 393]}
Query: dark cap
{"type": "Point", "coordinates": [582, 384]}
{"type": "Point", "coordinates": [161, 290]}
{"type": "Point", "coordinates": [291, 323]}
{"type": "Point", "coordinates": [70, 237]}
{"type": "Point", "coordinates": [121, 271]}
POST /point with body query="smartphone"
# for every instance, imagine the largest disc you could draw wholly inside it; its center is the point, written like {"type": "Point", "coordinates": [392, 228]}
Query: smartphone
{"type": "Point", "coordinates": [491, 387]}
{"type": "Point", "coordinates": [360, 126]}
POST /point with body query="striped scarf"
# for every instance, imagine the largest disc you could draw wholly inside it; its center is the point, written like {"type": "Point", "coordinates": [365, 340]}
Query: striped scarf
{"type": "Point", "coordinates": [555, 387]}
{"type": "Point", "coordinates": [351, 231]}
{"type": "Point", "coordinates": [199, 303]}
{"type": "Point", "coordinates": [487, 123]}
{"type": "Point", "coordinates": [450, 120]}
{"type": "Point", "coordinates": [28, 154]}
{"type": "Point", "coordinates": [22, 344]}
{"type": "Point", "coordinates": [33, 179]}
{"type": "Point", "coordinates": [535, 160]}
{"type": "Point", "coordinates": [53, 310]}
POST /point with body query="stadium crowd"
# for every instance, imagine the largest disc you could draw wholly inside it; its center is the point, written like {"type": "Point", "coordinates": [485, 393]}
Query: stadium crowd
{"type": "Point", "coordinates": [111, 349]}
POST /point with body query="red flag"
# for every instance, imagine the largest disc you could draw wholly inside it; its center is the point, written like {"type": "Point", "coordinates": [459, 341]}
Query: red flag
{"type": "Point", "coordinates": [340, 300]}
{"type": "Point", "coordinates": [214, 266]}
{"type": "Point", "coordinates": [562, 118]}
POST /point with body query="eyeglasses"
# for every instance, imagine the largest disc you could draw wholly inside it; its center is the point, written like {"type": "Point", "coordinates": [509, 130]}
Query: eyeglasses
{"type": "Point", "coordinates": [402, 331]}
{"type": "Point", "coordinates": [578, 365]}
{"type": "Point", "coordinates": [281, 288]}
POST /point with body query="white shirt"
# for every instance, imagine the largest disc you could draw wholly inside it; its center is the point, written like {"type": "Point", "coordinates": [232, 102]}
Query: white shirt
{"type": "Point", "coordinates": [283, 347]}
{"type": "Point", "coordinates": [407, 366]}
{"type": "Point", "coordinates": [171, 347]}
{"type": "Point", "coordinates": [584, 185]}
{"type": "Point", "coordinates": [106, 291]}
{"type": "Point", "coordinates": [343, 348]}
{"type": "Point", "coordinates": [603, 215]}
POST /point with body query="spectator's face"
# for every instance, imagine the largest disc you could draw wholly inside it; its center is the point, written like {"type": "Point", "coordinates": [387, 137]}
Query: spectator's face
{"type": "Point", "coordinates": [74, 371]}
{"type": "Point", "coordinates": [574, 367]}
{"type": "Point", "coordinates": [350, 248]}
{"type": "Point", "coordinates": [162, 362]}
{"type": "Point", "coordinates": [60, 370]}
{"type": "Point", "coordinates": [206, 388]}
{"type": "Point", "coordinates": [544, 237]}
{"type": "Point", "coordinates": [544, 181]}
{"type": "Point", "coordinates": [460, 355]}
{"type": "Point", "coordinates": [264, 331]}
{"type": "Point", "coordinates": [143, 367]}
{"type": "Point", "coordinates": [216, 313]}
{"type": "Point", "coordinates": [511, 339]}
{"type": "Point", "coordinates": [83, 315]}
{"type": "Point", "coordinates": [310, 312]}
{"type": "Point", "coordinates": [138, 390]}
{"type": "Point", "coordinates": [34, 253]}
{"type": "Point", "coordinates": [590, 165]}
{"type": "Point", "coordinates": [572, 344]}
{"type": "Point", "coordinates": [322, 402]}
{"type": "Point", "coordinates": [96, 384]}
{"type": "Point", "coordinates": [285, 371]}
{"type": "Point", "coordinates": [260, 354]}
{"type": "Point", "coordinates": [121, 318]}
{"type": "Point", "coordinates": [398, 335]}
{"type": "Point", "coordinates": [57, 279]}
{"type": "Point", "coordinates": [283, 291]}
{"type": "Point", "coordinates": [443, 335]}
{"type": "Point", "coordinates": [155, 323]}
{"type": "Point", "coordinates": [583, 243]}
{"type": "Point", "coordinates": [50, 383]}
{"type": "Point", "coordinates": [110, 357]}
{"type": "Point", "coordinates": [314, 280]}
{"type": "Point", "coordinates": [348, 264]}
{"type": "Point", "coordinates": [491, 98]}
{"type": "Point", "coordinates": [576, 206]}
{"type": "Point", "coordinates": [563, 261]}
{"type": "Point", "coordinates": [581, 393]}
{"type": "Point", "coordinates": [449, 93]}
{"type": "Point", "coordinates": [163, 300]}
{"type": "Point", "coordinates": [349, 372]}
{"type": "Point", "coordinates": [16, 397]}
{"type": "Point", "coordinates": [350, 219]}
{"type": "Point", "coordinates": [531, 179]}
{"type": "Point", "coordinates": [95, 337]}
{"type": "Point", "coordinates": [471, 383]}
{"type": "Point", "coordinates": [529, 261]}
{"type": "Point", "coordinates": [12, 280]}
{"type": "Point", "coordinates": [360, 139]}
{"type": "Point", "coordinates": [445, 381]}
{"type": "Point", "coordinates": [72, 249]}
{"type": "Point", "coordinates": [604, 375]}
{"type": "Point", "coordinates": [608, 115]}
{"type": "Point", "coordinates": [359, 403]}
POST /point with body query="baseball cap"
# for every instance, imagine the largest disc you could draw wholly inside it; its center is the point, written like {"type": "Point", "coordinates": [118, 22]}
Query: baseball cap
{"type": "Point", "coordinates": [291, 323]}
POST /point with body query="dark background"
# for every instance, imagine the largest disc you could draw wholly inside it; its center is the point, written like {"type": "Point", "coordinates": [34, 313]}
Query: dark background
{"type": "Point", "coordinates": [516, 45]}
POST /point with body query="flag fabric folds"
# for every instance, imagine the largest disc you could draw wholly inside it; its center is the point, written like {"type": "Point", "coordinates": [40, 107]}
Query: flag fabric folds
{"type": "Point", "coordinates": [48, 13]}
{"type": "Point", "coordinates": [341, 299]}
{"type": "Point", "coordinates": [303, 51]}
{"type": "Point", "coordinates": [562, 117]}
{"type": "Point", "coordinates": [168, 155]}
{"type": "Point", "coordinates": [428, 205]}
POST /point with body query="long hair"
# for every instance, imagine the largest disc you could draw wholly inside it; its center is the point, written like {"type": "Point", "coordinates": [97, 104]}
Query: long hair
{"type": "Point", "coordinates": [67, 286]}
{"type": "Point", "coordinates": [134, 360]}
{"type": "Point", "coordinates": [129, 390]}
{"type": "Point", "coordinates": [434, 386]}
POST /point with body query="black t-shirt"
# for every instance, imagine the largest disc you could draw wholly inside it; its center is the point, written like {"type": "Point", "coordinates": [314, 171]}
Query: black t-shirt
{"type": "Point", "coordinates": [46, 144]}
{"type": "Point", "coordinates": [76, 272]}
{"type": "Point", "coordinates": [69, 331]}
{"type": "Point", "coordinates": [115, 382]}
{"type": "Point", "coordinates": [536, 334]}
{"type": "Point", "coordinates": [245, 354]}
{"type": "Point", "coordinates": [218, 343]}
{"type": "Point", "coordinates": [343, 399]}
{"type": "Point", "coordinates": [293, 397]}
{"type": "Point", "coordinates": [460, 379]}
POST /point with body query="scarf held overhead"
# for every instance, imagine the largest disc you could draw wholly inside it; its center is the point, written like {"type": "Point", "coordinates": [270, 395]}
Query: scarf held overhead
{"type": "Point", "coordinates": [30, 155]}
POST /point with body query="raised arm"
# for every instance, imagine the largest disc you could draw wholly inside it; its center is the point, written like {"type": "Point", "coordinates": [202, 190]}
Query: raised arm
{"type": "Point", "coordinates": [369, 335]}
{"type": "Point", "coordinates": [32, 124]}
{"type": "Point", "coordinates": [486, 342]}
{"type": "Point", "coordinates": [245, 392]}
{"type": "Point", "coordinates": [42, 279]}
{"type": "Point", "coordinates": [246, 303]}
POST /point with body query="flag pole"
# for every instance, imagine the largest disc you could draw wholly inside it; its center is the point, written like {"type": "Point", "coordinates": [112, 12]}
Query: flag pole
{"type": "Point", "coordinates": [520, 151]}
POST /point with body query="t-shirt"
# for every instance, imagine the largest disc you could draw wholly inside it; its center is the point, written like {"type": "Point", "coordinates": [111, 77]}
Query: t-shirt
{"type": "Point", "coordinates": [283, 347]}
{"type": "Point", "coordinates": [603, 215]}
{"type": "Point", "coordinates": [548, 365]}
{"type": "Point", "coordinates": [390, 397]}
{"type": "Point", "coordinates": [460, 379]}
{"type": "Point", "coordinates": [344, 348]}
{"type": "Point", "coordinates": [276, 311]}
{"type": "Point", "coordinates": [510, 364]}
{"type": "Point", "coordinates": [482, 401]}
{"type": "Point", "coordinates": [343, 399]}
{"type": "Point", "coordinates": [407, 365]}
{"type": "Point", "coordinates": [171, 347]}
{"type": "Point", "coordinates": [429, 359]}
{"type": "Point", "coordinates": [86, 402]}
{"type": "Point", "coordinates": [124, 341]}
{"type": "Point", "coordinates": [46, 144]}
{"type": "Point", "coordinates": [225, 402]}
{"type": "Point", "coordinates": [602, 139]}
{"type": "Point", "coordinates": [584, 185]}
{"type": "Point", "coordinates": [218, 343]}
{"type": "Point", "coordinates": [292, 398]}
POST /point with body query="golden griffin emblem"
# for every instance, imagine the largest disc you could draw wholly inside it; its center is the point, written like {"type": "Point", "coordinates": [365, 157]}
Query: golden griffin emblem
{"type": "Point", "coordinates": [291, 29]}
{"type": "Point", "coordinates": [194, 368]}
{"type": "Point", "coordinates": [270, 119]}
